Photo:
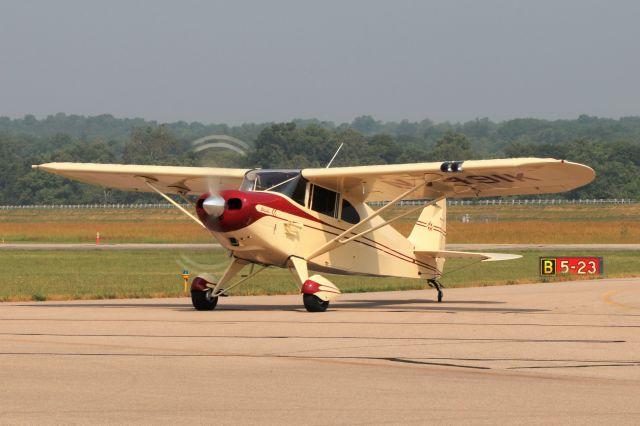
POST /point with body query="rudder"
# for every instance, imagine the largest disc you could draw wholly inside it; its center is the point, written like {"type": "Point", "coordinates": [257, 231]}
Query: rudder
{"type": "Point", "coordinates": [430, 231]}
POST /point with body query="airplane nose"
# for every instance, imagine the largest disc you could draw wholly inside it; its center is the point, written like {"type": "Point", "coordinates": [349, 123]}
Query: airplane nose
{"type": "Point", "coordinates": [214, 206]}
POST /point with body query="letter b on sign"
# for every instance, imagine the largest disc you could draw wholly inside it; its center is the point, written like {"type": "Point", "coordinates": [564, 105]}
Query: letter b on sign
{"type": "Point", "coordinates": [547, 266]}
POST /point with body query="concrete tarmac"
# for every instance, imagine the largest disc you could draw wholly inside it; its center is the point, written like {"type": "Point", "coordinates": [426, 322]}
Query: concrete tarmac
{"type": "Point", "coordinates": [561, 353]}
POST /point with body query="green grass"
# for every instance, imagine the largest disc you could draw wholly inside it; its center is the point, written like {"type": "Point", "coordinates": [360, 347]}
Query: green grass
{"type": "Point", "coordinates": [50, 275]}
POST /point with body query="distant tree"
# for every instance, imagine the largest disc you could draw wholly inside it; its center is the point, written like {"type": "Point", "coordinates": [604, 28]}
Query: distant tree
{"type": "Point", "coordinates": [611, 147]}
{"type": "Point", "coordinates": [383, 149]}
{"type": "Point", "coordinates": [85, 152]}
{"type": "Point", "coordinates": [452, 146]}
{"type": "Point", "coordinates": [11, 168]}
{"type": "Point", "coordinates": [284, 145]}
{"type": "Point", "coordinates": [478, 128]}
{"type": "Point", "coordinates": [366, 124]}
{"type": "Point", "coordinates": [273, 145]}
{"type": "Point", "coordinates": [153, 145]}
{"type": "Point", "coordinates": [406, 128]}
{"type": "Point", "coordinates": [519, 128]}
{"type": "Point", "coordinates": [354, 152]}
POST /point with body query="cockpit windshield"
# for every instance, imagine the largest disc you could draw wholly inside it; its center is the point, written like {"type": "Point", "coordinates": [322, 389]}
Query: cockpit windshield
{"type": "Point", "coordinates": [267, 180]}
{"type": "Point", "coordinates": [287, 182]}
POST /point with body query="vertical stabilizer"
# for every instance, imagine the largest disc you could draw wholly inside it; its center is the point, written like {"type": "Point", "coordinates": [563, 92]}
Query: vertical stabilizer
{"type": "Point", "coordinates": [429, 232]}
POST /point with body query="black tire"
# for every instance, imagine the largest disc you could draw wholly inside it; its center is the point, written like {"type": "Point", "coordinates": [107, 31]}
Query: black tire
{"type": "Point", "coordinates": [314, 304]}
{"type": "Point", "coordinates": [203, 301]}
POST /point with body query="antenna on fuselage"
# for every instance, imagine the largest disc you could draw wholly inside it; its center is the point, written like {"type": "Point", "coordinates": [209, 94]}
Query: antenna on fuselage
{"type": "Point", "coordinates": [334, 155]}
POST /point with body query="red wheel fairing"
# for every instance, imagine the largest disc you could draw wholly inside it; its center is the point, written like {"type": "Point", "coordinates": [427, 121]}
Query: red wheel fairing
{"type": "Point", "coordinates": [199, 284]}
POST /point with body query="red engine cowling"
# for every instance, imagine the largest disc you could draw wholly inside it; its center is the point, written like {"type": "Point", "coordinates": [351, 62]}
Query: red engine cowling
{"type": "Point", "coordinates": [237, 211]}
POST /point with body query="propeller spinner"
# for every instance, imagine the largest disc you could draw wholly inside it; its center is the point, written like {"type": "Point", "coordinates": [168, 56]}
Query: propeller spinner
{"type": "Point", "coordinates": [214, 205]}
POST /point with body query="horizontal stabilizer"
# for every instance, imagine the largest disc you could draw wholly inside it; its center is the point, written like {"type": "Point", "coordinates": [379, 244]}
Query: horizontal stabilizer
{"type": "Point", "coordinates": [448, 254]}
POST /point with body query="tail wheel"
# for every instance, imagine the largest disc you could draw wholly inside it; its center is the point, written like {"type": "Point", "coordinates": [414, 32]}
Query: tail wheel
{"type": "Point", "coordinates": [314, 304]}
{"type": "Point", "coordinates": [204, 300]}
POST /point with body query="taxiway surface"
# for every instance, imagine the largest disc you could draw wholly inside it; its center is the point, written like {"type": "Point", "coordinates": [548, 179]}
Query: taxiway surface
{"type": "Point", "coordinates": [540, 353]}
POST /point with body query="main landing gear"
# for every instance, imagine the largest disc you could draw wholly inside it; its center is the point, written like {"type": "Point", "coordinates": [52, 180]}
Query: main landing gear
{"type": "Point", "coordinates": [438, 286]}
{"type": "Point", "coordinates": [317, 291]}
{"type": "Point", "coordinates": [205, 288]}
{"type": "Point", "coordinates": [204, 300]}
{"type": "Point", "coordinates": [313, 303]}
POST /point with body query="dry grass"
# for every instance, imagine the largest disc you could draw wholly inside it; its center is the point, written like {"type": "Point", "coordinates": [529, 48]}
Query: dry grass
{"type": "Point", "coordinates": [607, 223]}
{"type": "Point", "coordinates": [560, 224]}
{"type": "Point", "coordinates": [545, 232]}
{"type": "Point", "coordinates": [169, 215]}
{"type": "Point", "coordinates": [540, 232]}
{"type": "Point", "coordinates": [110, 232]}
{"type": "Point", "coordinates": [562, 212]}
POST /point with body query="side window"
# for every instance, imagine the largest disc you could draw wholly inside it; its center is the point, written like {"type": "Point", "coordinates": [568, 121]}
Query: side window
{"type": "Point", "coordinates": [299, 191]}
{"type": "Point", "coordinates": [324, 201]}
{"type": "Point", "coordinates": [349, 213]}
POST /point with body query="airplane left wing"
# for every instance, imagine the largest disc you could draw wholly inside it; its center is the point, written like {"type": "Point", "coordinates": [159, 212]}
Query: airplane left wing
{"type": "Point", "coordinates": [169, 179]}
{"type": "Point", "coordinates": [453, 179]}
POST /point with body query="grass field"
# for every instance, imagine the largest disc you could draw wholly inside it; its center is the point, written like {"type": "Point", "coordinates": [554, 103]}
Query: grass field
{"type": "Point", "coordinates": [604, 223]}
{"type": "Point", "coordinates": [551, 224]}
{"type": "Point", "coordinates": [49, 275]}
{"type": "Point", "coordinates": [114, 226]}
{"type": "Point", "coordinates": [42, 275]}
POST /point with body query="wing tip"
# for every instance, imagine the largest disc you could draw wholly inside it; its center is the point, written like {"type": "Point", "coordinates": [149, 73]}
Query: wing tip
{"type": "Point", "coordinates": [497, 257]}
{"type": "Point", "coordinates": [47, 167]}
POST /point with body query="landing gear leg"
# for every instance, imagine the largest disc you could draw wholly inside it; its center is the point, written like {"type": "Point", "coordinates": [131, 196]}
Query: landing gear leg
{"type": "Point", "coordinates": [316, 290]}
{"type": "Point", "coordinates": [205, 290]}
{"type": "Point", "coordinates": [435, 284]}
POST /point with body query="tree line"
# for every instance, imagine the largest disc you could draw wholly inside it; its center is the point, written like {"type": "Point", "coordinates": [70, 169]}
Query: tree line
{"type": "Point", "coordinates": [610, 146]}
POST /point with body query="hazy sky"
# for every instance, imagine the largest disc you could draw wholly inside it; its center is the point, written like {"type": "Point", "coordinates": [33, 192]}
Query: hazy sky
{"type": "Point", "coordinates": [253, 61]}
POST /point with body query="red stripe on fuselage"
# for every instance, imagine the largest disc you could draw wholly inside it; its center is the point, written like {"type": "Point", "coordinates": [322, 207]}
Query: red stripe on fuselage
{"type": "Point", "coordinates": [384, 249]}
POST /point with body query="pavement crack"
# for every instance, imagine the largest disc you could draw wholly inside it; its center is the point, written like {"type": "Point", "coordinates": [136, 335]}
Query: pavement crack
{"type": "Point", "coordinates": [633, 364]}
{"type": "Point", "coordinates": [443, 364]}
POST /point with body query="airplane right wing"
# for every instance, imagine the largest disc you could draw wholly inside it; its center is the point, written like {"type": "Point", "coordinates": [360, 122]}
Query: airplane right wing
{"type": "Point", "coordinates": [130, 177]}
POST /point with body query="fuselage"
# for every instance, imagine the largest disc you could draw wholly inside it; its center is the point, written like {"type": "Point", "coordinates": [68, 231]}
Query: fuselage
{"type": "Point", "coordinates": [268, 227]}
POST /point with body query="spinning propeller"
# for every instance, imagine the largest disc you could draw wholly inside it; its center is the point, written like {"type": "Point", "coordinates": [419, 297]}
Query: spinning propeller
{"type": "Point", "coordinates": [214, 203]}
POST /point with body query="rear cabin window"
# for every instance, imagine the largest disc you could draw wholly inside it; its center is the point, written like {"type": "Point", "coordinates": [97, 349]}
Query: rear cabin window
{"type": "Point", "coordinates": [324, 201]}
{"type": "Point", "coordinates": [349, 213]}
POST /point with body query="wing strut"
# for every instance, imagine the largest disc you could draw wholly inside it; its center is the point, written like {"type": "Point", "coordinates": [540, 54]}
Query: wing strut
{"type": "Point", "coordinates": [340, 239]}
{"type": "Point", "coordinates": [169, 199]}
{"type": "Point", "coordinates": [233, 269]}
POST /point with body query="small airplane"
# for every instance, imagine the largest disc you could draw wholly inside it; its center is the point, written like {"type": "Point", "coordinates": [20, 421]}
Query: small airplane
{"type": "Point", "coordinates": [318, 219]}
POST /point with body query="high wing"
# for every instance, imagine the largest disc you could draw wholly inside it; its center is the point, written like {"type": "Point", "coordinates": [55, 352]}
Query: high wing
{"type": "Point", "coordinates": [474, 178]}
{"type": "Point", "coordinates": [169, 179]}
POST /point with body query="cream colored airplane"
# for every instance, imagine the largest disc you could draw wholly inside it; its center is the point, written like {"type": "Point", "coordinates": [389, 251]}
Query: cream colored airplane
{"type": "Point", "coordinates": [319, 220]}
